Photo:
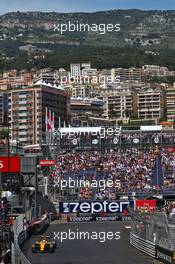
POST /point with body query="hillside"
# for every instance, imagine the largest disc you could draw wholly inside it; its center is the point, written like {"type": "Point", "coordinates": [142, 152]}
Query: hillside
{"type": "Point", "coordinates": [151, 32]}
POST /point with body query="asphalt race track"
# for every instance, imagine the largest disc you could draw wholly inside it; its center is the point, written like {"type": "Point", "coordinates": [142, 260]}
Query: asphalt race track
{"type": "Point", "coordinates": [89, 251]}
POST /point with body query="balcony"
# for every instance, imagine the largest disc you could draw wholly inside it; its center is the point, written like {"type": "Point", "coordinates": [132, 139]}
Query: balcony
{"type": "Point", "coordinates": [29, 108]}
{"type": "Point", "coordinates": [29, 96]}
{"type": "Point", "coordinates": [23, 115]}
{"type": "Point", "coordinates": [23, 133]}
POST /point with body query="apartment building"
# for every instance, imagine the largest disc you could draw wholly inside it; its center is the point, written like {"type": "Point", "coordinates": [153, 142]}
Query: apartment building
{"type": "Point", "coordinates": [8, 82]}
{"type": "Point", "coordinates": [82, 91]}
{"type": "Point", "coordinates": [151, 69]}
{"type": "Point", "coordinates": [3, 109]}
{"type": "Point", "coordinates": [118, 104]}
{"type": "Point", "coordinates": [85, 109]}
{"type": "Point", "coordinates": [151, 104]}
{"type": "Point", "coordinates": [27, 108]}
{"type": "Point", "coordinates": [156, 70]}
{"type": "Point", "coordinates": [170, 103]}
{"type": "Point", "coordinates": [131, 74]}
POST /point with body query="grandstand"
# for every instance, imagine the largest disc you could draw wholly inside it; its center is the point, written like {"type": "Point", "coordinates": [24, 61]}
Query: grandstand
{"type": "Point", "coordinates": [101, 138]}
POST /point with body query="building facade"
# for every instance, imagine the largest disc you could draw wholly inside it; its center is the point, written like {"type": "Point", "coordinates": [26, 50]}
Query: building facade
{"type": "Point", "coordinates": [3, 109]}
{"type": "Point", "coordinates": [170, 103]}
{"type": "Point", "coordinates": [151, 104]}
{"type": "Point", "coordinates": [75, 70]}
{"type": "Point", "coordinates": [118, 104]}
{"type": "Point", "coordinates": [27, 112]}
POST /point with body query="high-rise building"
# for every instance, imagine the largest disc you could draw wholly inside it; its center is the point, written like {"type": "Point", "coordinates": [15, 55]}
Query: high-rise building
{"type": "Point", "coordinates": [27, 108]}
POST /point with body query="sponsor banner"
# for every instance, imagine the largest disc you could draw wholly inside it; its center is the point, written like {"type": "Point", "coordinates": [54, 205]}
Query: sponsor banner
{"type": "Point", "coordinates": [10, 164]}
{"type": "Point", "coordinates": [81, 219]}
{"type": "Point", "coordinates": [93, 207]}
{"type": "Point", "coordinates": [112, 218]}
{"type": "Point", "coordinates": [148, 205]}
{"type": "Point", "coordinates": [165, 255]}
{"type": "Point", "coordinates": [47, 163]}
{"type": "Point", "coordinates": [99, 218]}
{"type": "Point", "coordinates": [107, 218]}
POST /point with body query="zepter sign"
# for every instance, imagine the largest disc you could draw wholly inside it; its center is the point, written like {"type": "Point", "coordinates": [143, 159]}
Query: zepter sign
{"type": "Point", "coordinates": [94, 207]}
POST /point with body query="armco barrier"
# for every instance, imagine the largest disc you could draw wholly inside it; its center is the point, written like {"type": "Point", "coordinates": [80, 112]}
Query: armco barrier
{"type": "Point", "coordinates": [145, 246]}
{"type": "Point", "coordinates": [19, 257]}
{"type": "Point", "coordinates": [20, 237]}
{"type": "Point", "coordinates": [153, 234]}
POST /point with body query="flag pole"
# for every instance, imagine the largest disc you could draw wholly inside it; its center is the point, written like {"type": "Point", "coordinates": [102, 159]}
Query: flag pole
{"type": "Point", "coordinates": [46, 121]}
{"type": "Point", "coordinates": [59, 130]}
{"type": "Point", "coordinates": [53, 127]}
{"type": "Point", "coordinates": [50, 125]}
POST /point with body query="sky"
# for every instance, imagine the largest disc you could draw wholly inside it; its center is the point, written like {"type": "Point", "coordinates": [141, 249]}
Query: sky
{"type": "Point", "coordinates": [82, 5]}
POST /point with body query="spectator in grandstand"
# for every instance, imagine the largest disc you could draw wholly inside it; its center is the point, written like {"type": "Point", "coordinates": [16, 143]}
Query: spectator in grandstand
{"type": "Point", "coordinates": [130, 169]}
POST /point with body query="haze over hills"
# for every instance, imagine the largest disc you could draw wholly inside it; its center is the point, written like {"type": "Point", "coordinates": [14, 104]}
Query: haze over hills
{"type": "Point", "coordinates": [151, 32]}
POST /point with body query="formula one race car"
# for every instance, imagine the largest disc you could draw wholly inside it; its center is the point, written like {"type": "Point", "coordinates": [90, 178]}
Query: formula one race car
{"type": "Point", "coordinates": [45, 244]}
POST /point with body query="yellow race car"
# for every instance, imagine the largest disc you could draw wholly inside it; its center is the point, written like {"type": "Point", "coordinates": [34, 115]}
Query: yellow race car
{"type": "Point", "coordinates": [45, 244]}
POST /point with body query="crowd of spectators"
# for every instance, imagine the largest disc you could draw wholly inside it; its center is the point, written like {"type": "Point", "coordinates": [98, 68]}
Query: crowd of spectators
{"type": "Point", "coordinates": [132, 170]}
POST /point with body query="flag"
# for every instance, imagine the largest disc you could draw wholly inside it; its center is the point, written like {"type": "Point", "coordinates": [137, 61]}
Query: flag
{"type": "Point", "coordinates": [50, 122]}
{"type": "Point", "coordinates": [53, 127]}
{"type": "Point", "coordinates": [53, 121]}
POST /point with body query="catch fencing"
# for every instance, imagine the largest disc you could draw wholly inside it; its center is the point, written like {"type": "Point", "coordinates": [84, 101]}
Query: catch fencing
{"type": "Point", "coordinates": [153, 234]}
{"type": "Point", "coordinates": [22, 233]}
